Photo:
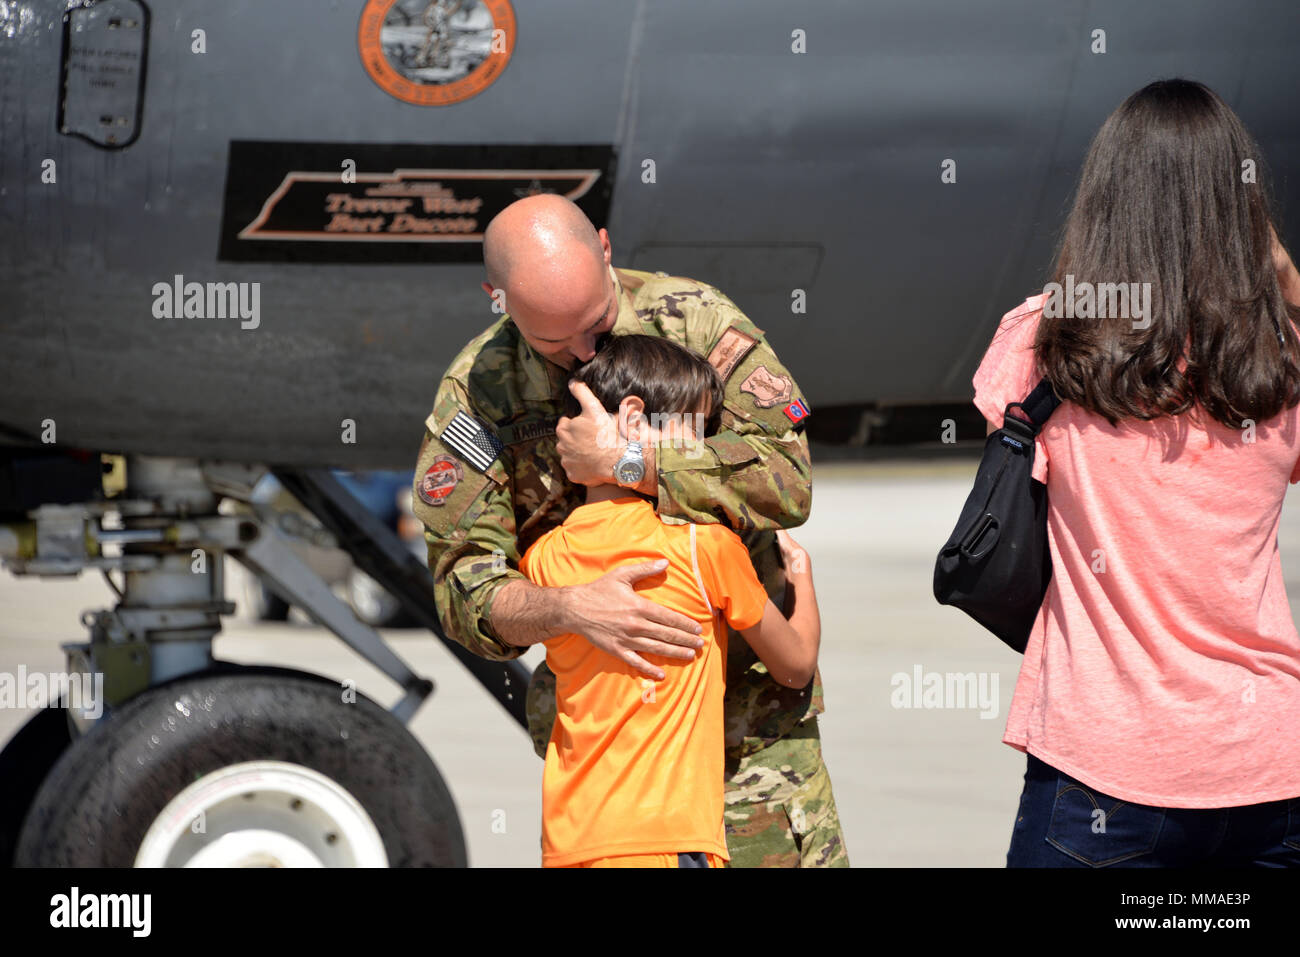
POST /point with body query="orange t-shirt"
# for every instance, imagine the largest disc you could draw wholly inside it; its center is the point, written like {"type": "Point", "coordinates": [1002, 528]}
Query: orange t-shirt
{"type": "Point", "coordinates": [635, 766]}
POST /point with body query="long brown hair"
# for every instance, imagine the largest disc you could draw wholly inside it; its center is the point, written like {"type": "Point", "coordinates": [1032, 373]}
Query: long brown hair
{"type": "Point", "coordinates": [1161, 199]}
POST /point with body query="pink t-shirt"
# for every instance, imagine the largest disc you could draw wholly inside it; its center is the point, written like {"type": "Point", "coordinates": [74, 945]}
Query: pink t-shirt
{"type": "Point", "coordinates": [1164, 666]}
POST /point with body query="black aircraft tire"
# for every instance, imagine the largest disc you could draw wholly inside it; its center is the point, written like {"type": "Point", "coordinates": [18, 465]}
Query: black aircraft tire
{"type": "Point", "coordinates": [108, 788]}
{"type": "Point", "coordinates": [24, 763]}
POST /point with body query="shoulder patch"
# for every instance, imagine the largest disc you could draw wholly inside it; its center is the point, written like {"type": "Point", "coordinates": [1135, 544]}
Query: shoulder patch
{"type": "Point", "coordinates": [797, 410]}
{"type": "Point", "coordinates": [447, 496]}
{"type": "Point", "coordinates": [733, 346]}
{"type": "Point", "coordinates": [439, 480]}
{"type": "Point", "coordinates": [472, 439]}
{"type": "Point", "coordinates": [767, 388]}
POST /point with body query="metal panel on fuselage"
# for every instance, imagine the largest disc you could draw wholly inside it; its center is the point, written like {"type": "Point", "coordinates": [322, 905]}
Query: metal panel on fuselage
{"type": "Point", "coordinates": [774, 171]}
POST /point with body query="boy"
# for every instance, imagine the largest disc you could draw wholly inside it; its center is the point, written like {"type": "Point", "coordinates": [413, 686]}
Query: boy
{"type": "Point", "coordinates": [634, 768]}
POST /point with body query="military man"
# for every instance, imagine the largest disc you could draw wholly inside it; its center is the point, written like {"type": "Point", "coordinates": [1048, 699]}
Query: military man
{"type": "Point", "coordinates": [491, 479]}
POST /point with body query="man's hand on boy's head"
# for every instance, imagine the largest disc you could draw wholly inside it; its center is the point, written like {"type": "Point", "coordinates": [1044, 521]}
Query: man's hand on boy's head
{"type": "Point", "coordinates": [589, 445]}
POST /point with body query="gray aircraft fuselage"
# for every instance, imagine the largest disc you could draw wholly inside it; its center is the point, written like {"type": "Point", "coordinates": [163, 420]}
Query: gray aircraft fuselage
{"type": "Point", "coordinates": [773, 171]}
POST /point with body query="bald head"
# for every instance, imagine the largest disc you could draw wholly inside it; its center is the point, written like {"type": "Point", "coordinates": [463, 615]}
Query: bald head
{"type": "Point", "coordinates": [552, 265]}
{"type": "Point", "coordinates": [540, 236]}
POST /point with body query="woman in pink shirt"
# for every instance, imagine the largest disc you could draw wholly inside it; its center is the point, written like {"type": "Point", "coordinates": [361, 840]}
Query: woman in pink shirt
{"type": "Point", "coordinates": [1159, 698]}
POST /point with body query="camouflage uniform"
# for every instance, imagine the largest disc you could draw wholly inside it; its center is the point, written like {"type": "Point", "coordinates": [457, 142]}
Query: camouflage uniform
{"type": "Point", "coordinates": [754, 474]}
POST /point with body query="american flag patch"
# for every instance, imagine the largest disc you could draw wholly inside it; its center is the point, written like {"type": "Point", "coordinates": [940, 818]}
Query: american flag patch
{"type": "Point", "coordinates": [479, 446]}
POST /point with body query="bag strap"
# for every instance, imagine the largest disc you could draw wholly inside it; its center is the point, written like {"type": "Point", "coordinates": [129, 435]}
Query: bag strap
{"type": "Point", "coordinates": [1038, 406]}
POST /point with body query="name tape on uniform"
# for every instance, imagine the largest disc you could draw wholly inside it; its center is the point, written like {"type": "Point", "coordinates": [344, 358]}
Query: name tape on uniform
{"type": "Point", "coordinates": [466, 435]}
{"type": "Point", "coordinates": [733, 346]}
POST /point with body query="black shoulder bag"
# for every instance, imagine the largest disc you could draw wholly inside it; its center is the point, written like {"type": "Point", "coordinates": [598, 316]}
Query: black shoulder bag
{"type": "Point", "coordinates": [996, 564]}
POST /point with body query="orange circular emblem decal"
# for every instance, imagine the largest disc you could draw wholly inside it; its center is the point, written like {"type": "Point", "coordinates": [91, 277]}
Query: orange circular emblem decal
{"type": "Point", "coordinates": [436, 52]}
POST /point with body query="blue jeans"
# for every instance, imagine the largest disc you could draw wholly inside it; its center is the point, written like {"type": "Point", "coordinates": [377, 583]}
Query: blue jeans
{"type": "Point", "coordinates": [1064, 823]}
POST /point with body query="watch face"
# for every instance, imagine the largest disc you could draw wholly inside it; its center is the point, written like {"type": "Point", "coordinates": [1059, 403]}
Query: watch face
{"type": "Point", "coordinates": [629, 473]}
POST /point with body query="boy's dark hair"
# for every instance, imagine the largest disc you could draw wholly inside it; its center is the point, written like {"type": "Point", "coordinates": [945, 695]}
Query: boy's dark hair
{"type": "Point", "coordinates": [669, 378]}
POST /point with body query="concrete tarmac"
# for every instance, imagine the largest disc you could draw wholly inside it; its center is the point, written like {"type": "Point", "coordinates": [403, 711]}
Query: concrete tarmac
{"type": "Point", "coordinates": [915, 786]}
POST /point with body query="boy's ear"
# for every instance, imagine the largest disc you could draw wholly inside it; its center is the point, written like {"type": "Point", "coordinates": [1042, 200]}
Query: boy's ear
{"type": "Point", "coordinates": [631, 418]}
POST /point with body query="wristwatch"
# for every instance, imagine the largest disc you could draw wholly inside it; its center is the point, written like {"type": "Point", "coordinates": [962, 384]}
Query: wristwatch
{"type": "Point", "coordinates": [629, 470]}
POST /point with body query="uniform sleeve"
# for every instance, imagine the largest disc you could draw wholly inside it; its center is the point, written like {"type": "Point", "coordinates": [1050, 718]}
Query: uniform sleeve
{"type": "Point", "coordinates": [1008, 372]}
{"type": "Point", "coordinates": [755, 472]}
{"type": "Point", "coordinates": [469, 529]}
{"type": "Point", "coordinates": [729, 576]}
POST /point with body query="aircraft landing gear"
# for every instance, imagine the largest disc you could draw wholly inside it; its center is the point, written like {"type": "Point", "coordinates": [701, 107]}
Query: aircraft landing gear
{"type": "Point", "coordinates": [177, 759]}
{"type": "Point", "coordinates": [247, 768]}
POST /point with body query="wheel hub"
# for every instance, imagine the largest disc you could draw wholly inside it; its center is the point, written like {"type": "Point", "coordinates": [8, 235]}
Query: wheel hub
{"type": "Point", "coordinates": [263, 814]}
